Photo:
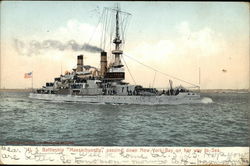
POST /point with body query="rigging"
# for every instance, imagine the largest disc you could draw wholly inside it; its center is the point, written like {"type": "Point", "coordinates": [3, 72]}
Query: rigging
{"type": "Point", "coordinates": [196, 86]}
{"type": "Point", "coordinates": [128, 70]}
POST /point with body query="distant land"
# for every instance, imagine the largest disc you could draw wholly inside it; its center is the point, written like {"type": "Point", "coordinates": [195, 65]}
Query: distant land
{"type": "Point", "coordinates": [202, 90]}
{"type": "Point", "coordinates": [223, 90]}
{"type": "Point", "coordinates": [15, 90]}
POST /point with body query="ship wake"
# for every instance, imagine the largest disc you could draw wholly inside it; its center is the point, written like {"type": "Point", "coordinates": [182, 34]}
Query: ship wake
{"type": "Point", "coordinates": [206, 100]}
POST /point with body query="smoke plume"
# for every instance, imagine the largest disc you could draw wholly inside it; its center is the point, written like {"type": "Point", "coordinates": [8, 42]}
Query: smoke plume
{"type": "Point", "coordinates": [35, 47]}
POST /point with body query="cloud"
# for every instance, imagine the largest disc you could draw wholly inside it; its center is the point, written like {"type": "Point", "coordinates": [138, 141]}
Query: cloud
{"type": "Point", "coordinates": [203, 42]}
{"type": "Point", "coordinates": [183, 28]}
{"type": "Point", "coordinates": [190, 49]}
{"type": "Point", "coordinates": [153, 53]}
{"type": "Point", "coordinates": [78, 31]}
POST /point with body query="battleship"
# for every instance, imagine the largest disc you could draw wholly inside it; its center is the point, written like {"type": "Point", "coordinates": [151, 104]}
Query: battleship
{"type": "Point", "coordinates": [106, 84]}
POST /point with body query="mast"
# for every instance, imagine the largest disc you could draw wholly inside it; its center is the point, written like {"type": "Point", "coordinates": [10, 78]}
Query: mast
{"type": "Point", "coordinates": [199, 76]}
{"type": "Point", "coordinates": [117, 41]}
{"type": "Point", "coordinates": [117, 28]}
{"type": "Point", "coordinates": [32, 81]}
{"type": "Point", "coordinates": [116, 70]}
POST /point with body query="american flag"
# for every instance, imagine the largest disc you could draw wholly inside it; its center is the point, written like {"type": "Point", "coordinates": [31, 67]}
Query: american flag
{"type": "Point", "coordinates": [28, 75]}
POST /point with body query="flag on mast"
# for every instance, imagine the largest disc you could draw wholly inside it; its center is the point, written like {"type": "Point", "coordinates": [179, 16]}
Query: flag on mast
{"type": "Point", "coordinates": [28, 75]}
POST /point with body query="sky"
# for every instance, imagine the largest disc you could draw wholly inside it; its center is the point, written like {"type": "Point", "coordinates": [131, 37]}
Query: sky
{"type": "Point", "coordinates": [177, 38]}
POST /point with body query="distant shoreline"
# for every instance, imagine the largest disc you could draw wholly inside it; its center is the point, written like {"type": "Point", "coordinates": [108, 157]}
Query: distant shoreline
{"type": "Point", "coordinates": [202, 90]}
{"type": "Point", "coordinates": [15, 90]}
{"type": "Point", "coordinates": [224, 90]}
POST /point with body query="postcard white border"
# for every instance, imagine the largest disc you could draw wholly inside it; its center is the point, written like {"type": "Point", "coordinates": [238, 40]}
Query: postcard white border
{"type": "Point", "coordinates": [104, 155]}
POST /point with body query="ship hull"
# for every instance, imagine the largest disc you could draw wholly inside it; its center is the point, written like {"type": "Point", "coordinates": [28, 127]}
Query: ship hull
{"type": "Point", "coordinates": [115, 99]}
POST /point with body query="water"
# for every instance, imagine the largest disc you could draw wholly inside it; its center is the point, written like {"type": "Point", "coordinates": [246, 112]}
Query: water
{"type": "Point", "coordinates": [26, 121]}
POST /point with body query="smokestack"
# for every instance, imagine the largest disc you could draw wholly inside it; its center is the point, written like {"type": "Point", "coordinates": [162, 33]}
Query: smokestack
{"type": "Point", "coordinates": [103, 63]}
{"type": "Point", "coordinates": [79, 63]}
